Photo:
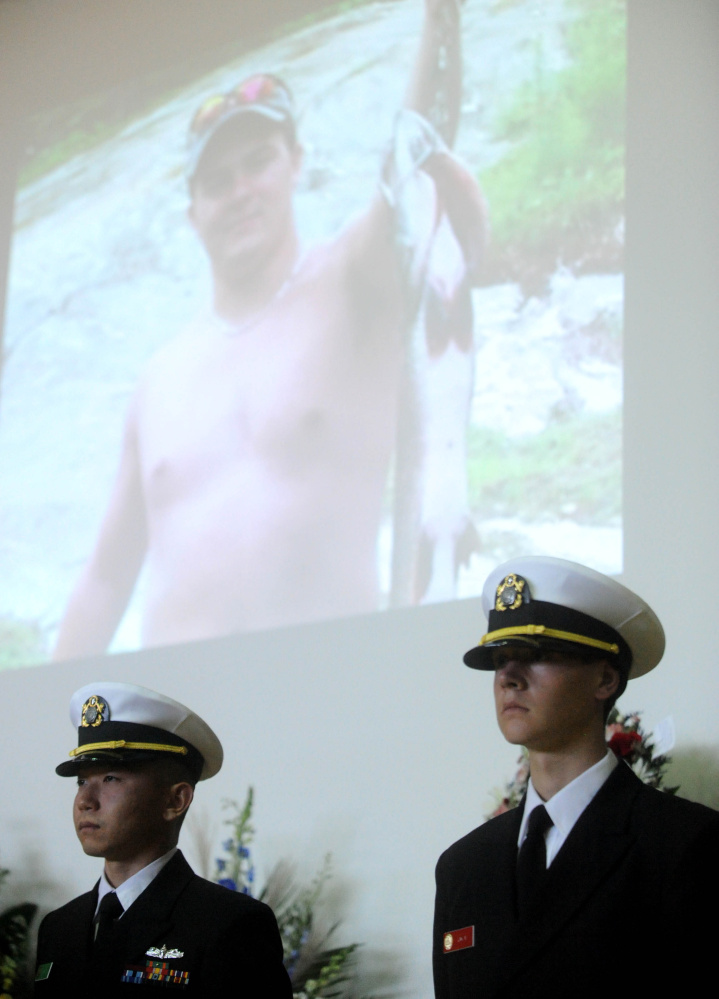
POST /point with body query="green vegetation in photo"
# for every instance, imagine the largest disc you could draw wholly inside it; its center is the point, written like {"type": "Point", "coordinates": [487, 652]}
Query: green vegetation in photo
{"type": "Point", "coordinates": [572, 468]}
{"type": "Point", "coordinates": [22, 643]}
{"type": "Point", "coordinates": [86, 128]}
{"type": "Point", "coordinates": [558, 193]}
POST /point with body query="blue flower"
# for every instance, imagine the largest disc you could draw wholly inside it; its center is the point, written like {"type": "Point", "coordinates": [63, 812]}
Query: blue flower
{"type": "Point", "coordinates": [228, 845]}
{"type": "Point", "coordinates": [228, 883]}
{"type": "Point", "coordinates": [246, 891]}
{"type": "Point", "coordinates": [251, 875]}
{"type": "Point", "coordinates": [221, 864]}
{"type": "Point", "coordinates": [242, 851]}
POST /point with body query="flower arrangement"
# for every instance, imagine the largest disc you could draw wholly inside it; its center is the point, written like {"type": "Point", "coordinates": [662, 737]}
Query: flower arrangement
{"type": "Point", "coordinates": [14, 928]}
{"type": "Point", "coordinates": [627, 740]}
{"type": "Point", "coordinates": [314, 969]}
{"type": "Point", "coordinates": [236, 871]}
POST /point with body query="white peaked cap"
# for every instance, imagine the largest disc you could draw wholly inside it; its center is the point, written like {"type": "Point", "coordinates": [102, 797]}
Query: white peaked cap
{"type": "Point", "coordinates": [566, 597]}
{"type": "Point", "coordinates": [122, 721]}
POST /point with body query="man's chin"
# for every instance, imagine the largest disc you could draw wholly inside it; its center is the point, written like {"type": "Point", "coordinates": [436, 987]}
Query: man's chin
{"type": "Point", "coordinates": [90, 846]}
{"type": "Point", "coordinates": [91, 852]}
{"type": "Point", "coordinates": [245, 257]}
{"type": "Point", "coordinates": [513, 730]}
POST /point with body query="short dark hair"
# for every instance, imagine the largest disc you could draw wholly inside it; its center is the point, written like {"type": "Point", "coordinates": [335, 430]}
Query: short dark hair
{"type": "Point", "coordinates": [622, 686]}
{"type": "Point", "coordinates": [169, 771]}
{"type": "Point", "coordinates": [622, 668]}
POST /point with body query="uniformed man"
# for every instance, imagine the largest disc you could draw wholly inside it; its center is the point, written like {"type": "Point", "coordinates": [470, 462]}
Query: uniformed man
{"type": "Point", "coordinates": [149, 920]}
{"type": "Point", "coordinates": [595, 870]}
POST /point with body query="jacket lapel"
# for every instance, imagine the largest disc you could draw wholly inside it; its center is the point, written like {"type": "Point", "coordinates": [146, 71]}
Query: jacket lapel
{"type": "Point", "coordinates": [84, 915]}
{"type": "Point", "coordinates": [494, 871]}
{"type": "Point", "coordinates": [73, 936]}
{"type": "Point", "coordinates": [149, 919]}
{"type": "Point", "coordinates": [499, 864]}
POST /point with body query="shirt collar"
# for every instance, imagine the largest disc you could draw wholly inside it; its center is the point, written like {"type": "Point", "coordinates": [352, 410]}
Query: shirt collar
{"type": "Point", "coordinates": [565, 807]}
{"type": "Point", "coordinates": [131, 889]}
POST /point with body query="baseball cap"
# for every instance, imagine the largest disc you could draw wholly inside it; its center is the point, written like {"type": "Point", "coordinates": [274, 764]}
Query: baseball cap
{"type": "Point", "coordinates": [262, 94]}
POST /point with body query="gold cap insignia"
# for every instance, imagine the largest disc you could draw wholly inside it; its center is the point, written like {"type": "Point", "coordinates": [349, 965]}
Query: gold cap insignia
{"type": "Point", "coordinates": [510, 593]}
{"type": "Point", "coordinates": [448, 941]}
{"type": "Point", "coordinates": [94, 712]}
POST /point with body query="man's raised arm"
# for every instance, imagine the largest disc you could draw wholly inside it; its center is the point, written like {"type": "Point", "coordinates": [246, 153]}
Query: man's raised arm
{"type": "Point", "coordinates": [435, 88]}
{"type": "Point", "coordinates": [434, 92]}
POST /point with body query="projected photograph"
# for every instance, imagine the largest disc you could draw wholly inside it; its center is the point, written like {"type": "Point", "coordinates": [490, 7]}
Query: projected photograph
{"type": "Point", "coordinates": [325, 322]}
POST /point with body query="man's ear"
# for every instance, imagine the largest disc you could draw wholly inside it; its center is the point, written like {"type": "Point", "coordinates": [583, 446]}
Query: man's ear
{"type": "Point", "coordinates": [608, 681]}
{"type": "Point", "coordinates": [179, 799]}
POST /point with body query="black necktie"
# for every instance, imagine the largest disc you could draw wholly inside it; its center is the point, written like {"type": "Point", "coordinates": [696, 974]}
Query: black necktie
{"type": "Point", "coordinates": [532, 857]}
{"type": "Point", "coordinates": [110, 910]}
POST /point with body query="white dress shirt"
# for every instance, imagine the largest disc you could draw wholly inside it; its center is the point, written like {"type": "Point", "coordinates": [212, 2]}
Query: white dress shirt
{"type": "Point", "coordinates": [131, 889]}
{"type": "Point", "coordinates": [567, 805]}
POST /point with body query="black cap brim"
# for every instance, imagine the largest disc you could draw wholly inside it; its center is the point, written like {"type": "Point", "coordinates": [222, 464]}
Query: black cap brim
{"type": "Point", "coordinates": [105, 758]}
{"type": "Point", "coordinates": [480, 657]}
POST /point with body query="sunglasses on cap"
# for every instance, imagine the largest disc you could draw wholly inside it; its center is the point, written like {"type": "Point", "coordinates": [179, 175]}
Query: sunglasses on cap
{"type": "Point", "coordinates": [263, 93]}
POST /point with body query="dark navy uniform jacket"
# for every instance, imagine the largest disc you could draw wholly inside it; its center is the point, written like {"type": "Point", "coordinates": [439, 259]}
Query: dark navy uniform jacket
{"type": "Point", "coordinates": [229, 944]}
{"type": "Point", "coordinates": [623, 906]}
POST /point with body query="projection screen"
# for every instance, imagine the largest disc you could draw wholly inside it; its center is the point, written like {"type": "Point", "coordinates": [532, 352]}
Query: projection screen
{"type": "Point", "coordinates": [192, 446]}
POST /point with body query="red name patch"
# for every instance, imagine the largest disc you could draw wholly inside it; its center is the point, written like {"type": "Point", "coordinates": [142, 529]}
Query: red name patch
{"type": "Point", "coordinates": [458, 939]}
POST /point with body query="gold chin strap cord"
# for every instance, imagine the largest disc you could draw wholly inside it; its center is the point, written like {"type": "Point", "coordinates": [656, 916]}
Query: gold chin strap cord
{"type": "Point", "coordinates": [539, 629]}
{"type": "Point", "coordinates": [122, 744]}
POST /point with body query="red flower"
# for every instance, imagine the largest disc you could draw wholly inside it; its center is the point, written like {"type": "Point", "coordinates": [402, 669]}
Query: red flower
{"type": "Point", "coordinates": [624, 743]}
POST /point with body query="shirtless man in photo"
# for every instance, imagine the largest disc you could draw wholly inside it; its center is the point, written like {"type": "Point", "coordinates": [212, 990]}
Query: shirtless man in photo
{"type": "Point", "coordinates": [258, 442]}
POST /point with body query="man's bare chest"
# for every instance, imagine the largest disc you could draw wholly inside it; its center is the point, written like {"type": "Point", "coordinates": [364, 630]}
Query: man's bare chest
{"type": "Point", "coordinates": [291, 403]}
